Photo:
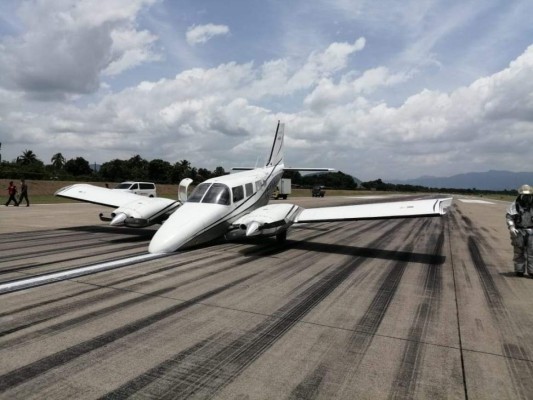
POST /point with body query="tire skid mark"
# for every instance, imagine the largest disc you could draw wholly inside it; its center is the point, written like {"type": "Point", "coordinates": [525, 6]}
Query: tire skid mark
{"type": "Point", "coordinates": [90, 316]}
{"type": "Point", "coordinates": [133, 287]}
{"type": "Point", "coordinates": [58, 359]}
{"type": "Point", "coordinates": [520, 371]}
{"type": "Point", "coordinates": [62, 260]}
{"type": "Point", "coordinates": [368, 325]}
{"type": "Point", "coordinates": [62, 249]}
{"type": "Point", "coordinates": [25, 237]}
{"type": "Point", "coordinates": [163, 369]}
{"type": "Point", "coordinates": [404, 384]}
{"type": "Point", "coordinates": [224, 362]}
{"type": "Point", "coordinates": [308, 389]}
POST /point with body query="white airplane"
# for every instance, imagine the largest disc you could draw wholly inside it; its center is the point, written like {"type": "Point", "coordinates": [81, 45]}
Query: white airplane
{"type": "Point", "coordinates": [235, 206]}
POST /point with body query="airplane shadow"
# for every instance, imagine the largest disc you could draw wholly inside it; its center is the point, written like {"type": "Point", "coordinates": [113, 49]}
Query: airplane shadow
{"type": "Point", "coordinates": [272, 248]}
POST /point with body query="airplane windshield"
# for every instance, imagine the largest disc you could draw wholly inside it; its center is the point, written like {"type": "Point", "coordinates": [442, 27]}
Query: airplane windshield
{"type": "Point", "coordinates": [218, 193]}
{"type": "Point", "coordinates": [198, 193]}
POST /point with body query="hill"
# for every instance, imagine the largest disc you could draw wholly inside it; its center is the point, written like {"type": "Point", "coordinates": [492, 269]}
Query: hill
{"type": "Point", "coordinates": [490, 180]}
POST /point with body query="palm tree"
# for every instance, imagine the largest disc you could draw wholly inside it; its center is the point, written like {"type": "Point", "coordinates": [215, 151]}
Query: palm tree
{"type": "Point", "coordinates": [27, 157]}
{"type": "Point", "coordinates": [58, 161]}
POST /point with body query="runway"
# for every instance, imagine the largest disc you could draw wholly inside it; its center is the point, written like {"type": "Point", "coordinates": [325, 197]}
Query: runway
{"type": "Point", "coordinates": [407, 308]}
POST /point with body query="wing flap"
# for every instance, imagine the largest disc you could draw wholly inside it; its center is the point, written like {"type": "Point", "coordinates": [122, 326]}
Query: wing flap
{"type": "Point", "coordinates": [400, 209]}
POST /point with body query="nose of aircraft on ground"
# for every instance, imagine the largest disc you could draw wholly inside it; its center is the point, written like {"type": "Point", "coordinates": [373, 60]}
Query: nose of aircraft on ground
{"type": "Point", "coordinates": [187, 222]}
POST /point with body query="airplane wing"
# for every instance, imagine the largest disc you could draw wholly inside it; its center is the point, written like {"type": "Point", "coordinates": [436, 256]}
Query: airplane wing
{"type": "Point", "coordinates": [275, 219]}
{"type": "Point", "coordinates": [97, 195]}
{"type": "Point", "coordinates": [399, 209]}
{"type": "Point", "coordinates": [131, 210]}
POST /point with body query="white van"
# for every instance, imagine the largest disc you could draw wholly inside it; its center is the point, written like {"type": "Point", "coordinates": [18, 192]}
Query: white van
{"type": "Point", "coordinates": [141, 188]}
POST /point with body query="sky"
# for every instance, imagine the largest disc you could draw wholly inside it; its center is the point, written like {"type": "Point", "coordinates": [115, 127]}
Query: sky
{"type": "Point", "coordinates": [374, 88]}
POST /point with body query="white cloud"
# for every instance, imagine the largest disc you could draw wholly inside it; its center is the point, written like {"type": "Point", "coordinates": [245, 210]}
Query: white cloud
{"type": "Point", "coordinates": [335, 100]}
{"type": "Point", "coordinates": [68, 44]}
{"type": "Point", "coordinates": [202, 33]}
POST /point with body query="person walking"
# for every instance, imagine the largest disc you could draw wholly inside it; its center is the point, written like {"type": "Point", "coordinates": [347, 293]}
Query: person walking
{"type": "Point", "coordinates": [24, 192]}
{"type": "Point", "coordinates": [12, 191]}
{"type": "Point", "coordinates": [519, 219]}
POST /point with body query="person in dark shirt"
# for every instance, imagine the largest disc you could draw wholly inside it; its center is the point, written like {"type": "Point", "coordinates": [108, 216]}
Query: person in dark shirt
{"type": "Point", "coordinates": [12, 191]}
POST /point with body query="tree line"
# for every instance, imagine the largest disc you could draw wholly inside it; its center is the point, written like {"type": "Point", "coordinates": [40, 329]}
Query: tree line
{"type": "Point", "coordinates": [29, 166]}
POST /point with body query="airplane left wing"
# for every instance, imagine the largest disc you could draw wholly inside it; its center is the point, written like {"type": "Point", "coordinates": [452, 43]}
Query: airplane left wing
{"type": "Point", "coordinates": [132, 210]}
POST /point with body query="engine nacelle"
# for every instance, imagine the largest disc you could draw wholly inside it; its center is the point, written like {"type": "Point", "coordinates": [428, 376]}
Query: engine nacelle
{"type": "Point", "coordinates": [142, 212]}
{"type": "Point", "coordinates": [268, 220]}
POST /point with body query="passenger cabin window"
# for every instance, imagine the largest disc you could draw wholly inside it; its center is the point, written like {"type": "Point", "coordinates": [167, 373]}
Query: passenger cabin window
{"type": "Point", "coordinates": [238, 193]}
{"type": "Point", "coordinates": [218, 193]}
{"type": "Point", "coordinates": [147, 186]}
{"type": "Point", "coordinates": [198, 193]}
{"type": "Point", "coordinates": [257, 186]}
{"type": "Point", "coordinates": [249, 189]}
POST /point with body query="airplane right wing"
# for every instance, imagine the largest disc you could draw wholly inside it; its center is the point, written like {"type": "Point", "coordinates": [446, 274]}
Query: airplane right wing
{"type": "Point", "coordinates": [399, 209]}
{"type": "Point", "coordinates": [275, 219]}
{"type": "Point", "coordinates": [132, 210]}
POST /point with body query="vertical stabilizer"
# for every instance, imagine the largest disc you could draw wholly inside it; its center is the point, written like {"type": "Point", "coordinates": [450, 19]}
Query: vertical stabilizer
{"type": "Point", "coordinates": [276, 154]}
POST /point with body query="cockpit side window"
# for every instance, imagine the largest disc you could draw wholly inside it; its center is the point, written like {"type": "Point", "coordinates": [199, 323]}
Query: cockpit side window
{"type": "Point", "coordinates": [198, 193]}
{"type": "Point", "coordinates": [218, 193]}
{"type": "Point", "coordinates": [257, 186]}
{"type": "Point", "coordinates": [238, 193]}
{"type": "Point", "coordinates": [249, 189]}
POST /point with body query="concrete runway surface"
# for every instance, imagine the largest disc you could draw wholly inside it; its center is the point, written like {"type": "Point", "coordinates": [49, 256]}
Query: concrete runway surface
{"type": "Point", "coordinates": [408, 308]}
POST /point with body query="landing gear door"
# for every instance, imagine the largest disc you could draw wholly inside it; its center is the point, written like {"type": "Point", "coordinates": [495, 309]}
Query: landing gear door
{"type": "Point", "coordinates": [182, 189]}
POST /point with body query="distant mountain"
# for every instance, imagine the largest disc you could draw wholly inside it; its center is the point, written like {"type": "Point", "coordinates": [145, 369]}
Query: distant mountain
{"type": "Point", "coordinates": [491, 180]}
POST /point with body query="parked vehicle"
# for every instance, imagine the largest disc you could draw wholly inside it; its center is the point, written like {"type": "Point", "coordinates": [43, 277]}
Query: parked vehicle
{"type": "Point", "coordinates": [141, 188]}
{"type": "Point", "coordinates": [282, 190]}
{"type": "Point", "coordinates": [318, 191]}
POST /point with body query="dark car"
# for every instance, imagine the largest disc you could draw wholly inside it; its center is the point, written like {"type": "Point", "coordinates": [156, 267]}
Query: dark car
{"type": "Point", "coordinates": [318, 191]}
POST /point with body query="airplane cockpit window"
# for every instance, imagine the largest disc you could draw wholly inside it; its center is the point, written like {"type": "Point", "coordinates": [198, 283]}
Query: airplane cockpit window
{"type": "Point", "coordinates": [249, 189]}
{"type": "Point", "coordinates": [198, 193]}
{"type": "Point", "coordinates": [218, 193]}
{"type": "Point", "coordinates": [238, 193]}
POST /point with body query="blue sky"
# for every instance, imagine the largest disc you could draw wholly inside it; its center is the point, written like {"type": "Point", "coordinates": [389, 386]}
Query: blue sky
{"type": "Point", "coordinates": [377, 89]}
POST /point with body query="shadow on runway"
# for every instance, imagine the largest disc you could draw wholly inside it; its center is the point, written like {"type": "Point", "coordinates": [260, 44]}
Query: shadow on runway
{"type": "Point", "coordinates": [270, 247]}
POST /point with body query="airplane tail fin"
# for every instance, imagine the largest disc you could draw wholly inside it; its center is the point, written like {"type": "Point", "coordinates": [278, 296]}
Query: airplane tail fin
{"type": "Point", "coordinates": [276, 154]}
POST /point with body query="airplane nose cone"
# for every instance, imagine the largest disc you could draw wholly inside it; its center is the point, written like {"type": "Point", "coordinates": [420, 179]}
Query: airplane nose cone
{"type": "Point", "coordinates": [190, 224]}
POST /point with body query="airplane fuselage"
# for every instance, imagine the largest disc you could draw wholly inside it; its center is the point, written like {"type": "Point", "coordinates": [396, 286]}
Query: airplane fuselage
{"type": "Point", "coordinates": [213, 206]}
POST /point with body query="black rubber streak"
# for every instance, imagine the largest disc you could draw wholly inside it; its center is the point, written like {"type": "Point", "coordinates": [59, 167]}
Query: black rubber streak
{"type": "Point", "coordinates": [227, 361]}
{"type": "Point", "coordinates": [39, 367]}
